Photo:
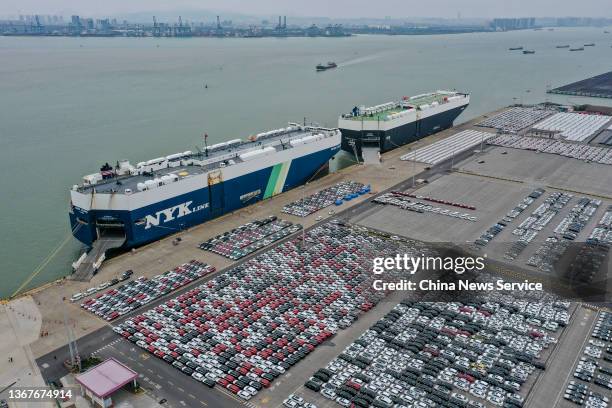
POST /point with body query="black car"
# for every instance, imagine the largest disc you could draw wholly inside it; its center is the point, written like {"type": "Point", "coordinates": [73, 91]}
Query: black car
{"type": "Point", "coordinates": [210, 383]}
{"type": "Point", "coordinates": [313, 385]}
{"type": "Point", "coordinates": [256, 384]}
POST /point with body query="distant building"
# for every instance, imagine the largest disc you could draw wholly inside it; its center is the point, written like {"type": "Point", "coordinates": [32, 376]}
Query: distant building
{"type": "Point", "coordinates": [508, 24]}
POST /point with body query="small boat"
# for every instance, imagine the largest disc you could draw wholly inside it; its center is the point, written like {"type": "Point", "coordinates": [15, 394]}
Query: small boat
{"type": "Point", "coordinates": [515, 48]}
{"type": "Point", "coordinates": [589, 45]}
{"type": "Point", "coordinates": [528, 51]}
{"type": "Point", "coordinates": [606, 32]}
{"type": "Point", "coordinates": [563, 46]}
{"type": "Point", "coordinates": [329, 65]}
{"type": "Point", "coordinates": [577, 49]}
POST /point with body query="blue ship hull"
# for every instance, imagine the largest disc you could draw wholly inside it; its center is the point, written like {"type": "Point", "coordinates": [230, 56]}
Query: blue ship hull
{"type": "Point", "coordinates": [202, 205]}
{"type": "Point", "coordinates": [401, 135]}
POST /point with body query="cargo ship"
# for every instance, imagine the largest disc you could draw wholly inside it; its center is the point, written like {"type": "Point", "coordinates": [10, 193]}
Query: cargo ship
{"type": "Point", "coordinates": [125, 206]}
{"type": "Point", "coordinates": [393, 124]}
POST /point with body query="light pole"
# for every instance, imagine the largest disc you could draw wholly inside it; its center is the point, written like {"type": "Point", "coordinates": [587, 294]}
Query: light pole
{"type": "Point", "coordinates": [303, 226]}
{"type": "Point", "coordinates": [413, 167]}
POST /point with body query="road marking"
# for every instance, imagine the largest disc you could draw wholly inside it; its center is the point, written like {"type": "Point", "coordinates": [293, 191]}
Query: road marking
{"type": "Point", "coordinates": [170, 382]}
{"type": "Point", "coordinates": [182, 402]}
{"type": "Point", "coordinates": [180, 389]}
{"type": "Point", "coordinates": [160, 377]}
{"type": "Point", "coordinates": [192, 396]}
{"type": "Point", "coordinates": [203, 403]}
{"type": "Point", "coordinates": [149, 370]}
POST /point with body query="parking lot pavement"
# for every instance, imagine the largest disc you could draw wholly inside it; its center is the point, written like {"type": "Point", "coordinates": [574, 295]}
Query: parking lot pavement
{"type": "Point", "coordinates": [542, 169]}
{"type": "Point", "coordinates": [274, 396]}
{"type": "Point", "coordinates": [247, 326]}
{"type": "Point", "coordinates": [163, 381]}
{"type": "Point", "coordinates": [492, 198]}
{"type": "Point", "coordinates": [378, 359]}
{"type": "Point", "coordinates": [552, 382]}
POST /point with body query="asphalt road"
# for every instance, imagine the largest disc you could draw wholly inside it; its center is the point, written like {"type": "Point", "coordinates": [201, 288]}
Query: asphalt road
{"type": "Point", "coordinates": [551, 384]}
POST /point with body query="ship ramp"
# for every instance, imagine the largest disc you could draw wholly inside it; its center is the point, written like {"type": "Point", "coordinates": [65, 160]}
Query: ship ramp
{"type": "Point", "coordinates": [89, 265]}
{"type": "Point", "coordinates": [371, 155]}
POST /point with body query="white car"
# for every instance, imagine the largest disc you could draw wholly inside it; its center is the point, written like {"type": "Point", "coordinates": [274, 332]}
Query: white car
{"type": "Point", "coordinates": [104, 286]}
{"type": "Point", "coordinates": [343, 402]}
{"type": "Point", "coordinates": [327, 393]}
{"type": "Point", "coordinates": [244, 395]}
{"type": "Point", "coordinates": [289, 403]}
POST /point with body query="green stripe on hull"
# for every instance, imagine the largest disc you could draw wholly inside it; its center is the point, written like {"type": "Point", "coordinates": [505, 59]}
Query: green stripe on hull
{"type": "Point", "coordinates": [272, 181]}
{"type": "Point", "coordinates": [277, 179]}
{"type": "Point", "coordinates": [282, 177]}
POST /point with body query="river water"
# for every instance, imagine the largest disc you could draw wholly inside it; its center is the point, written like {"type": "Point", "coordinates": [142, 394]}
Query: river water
{"type": "Point", "coordinates": [67, 105]}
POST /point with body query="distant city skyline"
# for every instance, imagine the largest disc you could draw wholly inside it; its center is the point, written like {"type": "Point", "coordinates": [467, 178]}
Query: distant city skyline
{"type": "Point", "coordinates": [397, 9]}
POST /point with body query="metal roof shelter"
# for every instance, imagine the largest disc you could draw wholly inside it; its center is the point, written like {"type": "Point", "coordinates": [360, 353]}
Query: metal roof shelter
{"type": "Point", "coordinates": [100, 382]}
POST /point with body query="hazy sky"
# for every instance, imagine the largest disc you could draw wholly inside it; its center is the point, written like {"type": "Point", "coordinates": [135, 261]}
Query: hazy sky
{"type": "Point", "coordinates": [322, 8]}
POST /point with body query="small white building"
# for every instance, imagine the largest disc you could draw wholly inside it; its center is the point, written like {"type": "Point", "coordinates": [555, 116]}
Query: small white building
{"type": "Point", "coordinates": [100, 382]}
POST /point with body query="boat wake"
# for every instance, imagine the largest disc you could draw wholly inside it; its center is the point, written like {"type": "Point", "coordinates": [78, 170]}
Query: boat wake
{"type": "Point", "coordinates": [359, 60]}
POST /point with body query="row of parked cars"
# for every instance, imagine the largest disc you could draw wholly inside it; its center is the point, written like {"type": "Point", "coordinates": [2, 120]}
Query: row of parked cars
{"type": "Point", "coordinates": [248, 238]}
{"type": "Point", "coordinates": [104, 285]}
{"type": "Point", "coordinates": [602, 233]}
{"type": "Point", "coordinates": [578, 218]}
{"type": "Point", "coordinates": [402, 201]}
{"type": "Point", "coordinates": [585, 152]}
{"type": "Point", "coordinates": [326, 197]}
{"type": "Point", "coordinates": [247, 326]}
{"type": "Point", "coordinates": [499, 226]}
{"type": "Point", "coordinates": [438, 200]}
{"type": "Point", "coordinates": [515, 119]}
{"type": "Point", "coordinates": [592, 383]}
{"type": "Point", "coordinates": [529, 228]}
{"type": "Point", "coordinates": [130, 296]}
{"type": "Point", "coordinates": [441, 354]}
{"type": "Point", "coordinates": [579, 394]}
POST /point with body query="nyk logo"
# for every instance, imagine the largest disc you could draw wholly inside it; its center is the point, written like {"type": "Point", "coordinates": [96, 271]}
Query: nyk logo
{"type": "Point", "coordinates": [172, 213]}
